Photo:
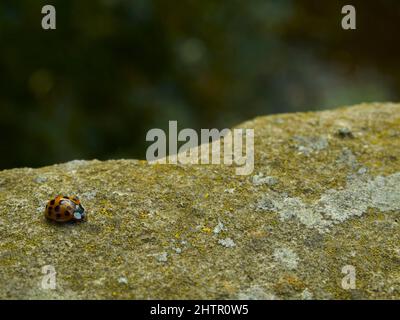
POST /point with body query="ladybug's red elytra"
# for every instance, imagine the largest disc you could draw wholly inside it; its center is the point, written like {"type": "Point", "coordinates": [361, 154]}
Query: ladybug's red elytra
{"type": "Point", "coordinates": [64, 208]}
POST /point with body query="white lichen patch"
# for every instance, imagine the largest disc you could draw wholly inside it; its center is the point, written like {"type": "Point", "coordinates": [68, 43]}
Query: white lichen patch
{"type": "Point", "coordinates": [336, 206]}
{"type": "Point", "coordinates": [347, 158]}
{"type": "Point", "coordinates": [123, 280]}
{"type": "Point", "coordinates": [307, 145]}
{"type": "Point", "coordinates": [219, 227]}
{"type": "Point", "coordinates": [260, 179]}
{"type": "Point", "coordinates": [40, 179]}
{"type": "Point", "coordinates": [89, 195]}
{"type": "Point", "coordinates": [362, 170]}
{"type": "Point", "coordinates": [178, 250]}
{"type": "Point", "coordinates": [74, 165]}
{"type": "Point", "coordinates": [162, 257]}
{"type": "Point", "coordinates": [230, 190]}
{"type": "Point", "coordinates": [286, 257]}
{"type": "Point", "coordinates": [306, 295]}
{"type": "Point", "coordinates": [227, 243]}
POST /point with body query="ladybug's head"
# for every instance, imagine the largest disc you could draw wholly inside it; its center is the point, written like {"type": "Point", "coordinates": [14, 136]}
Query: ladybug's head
{"type": "Point", "coordinates": [79, 213]}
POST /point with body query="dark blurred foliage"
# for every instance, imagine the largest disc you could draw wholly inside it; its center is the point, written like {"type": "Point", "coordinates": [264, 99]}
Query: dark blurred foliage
{"type": "Point", "coordinates": [114, 69]}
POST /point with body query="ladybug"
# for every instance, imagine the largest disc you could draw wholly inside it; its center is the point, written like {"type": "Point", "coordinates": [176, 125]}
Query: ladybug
{"type": "Point", "coordinates": [64, 208]}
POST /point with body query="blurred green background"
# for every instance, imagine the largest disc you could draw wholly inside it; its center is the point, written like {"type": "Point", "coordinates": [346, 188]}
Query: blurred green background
{"type": "Point", "coordinates": [114, 69]}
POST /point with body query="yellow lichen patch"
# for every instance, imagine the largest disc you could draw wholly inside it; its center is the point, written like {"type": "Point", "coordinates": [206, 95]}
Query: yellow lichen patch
{"type": "Point", "coordinates": [143, 215]}
{"type": "Point", "coordinates": [287, 284]}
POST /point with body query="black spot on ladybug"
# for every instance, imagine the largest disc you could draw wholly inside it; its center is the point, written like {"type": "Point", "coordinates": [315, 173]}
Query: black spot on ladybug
{"type": "Point", "coordinates": [57, 208]}
{"type": "Point", "coordinates": [50, 209]}
{"type": "Point", "coordinates": [52, 202]}
{"type": "Point", "coordinates": [67, 214]}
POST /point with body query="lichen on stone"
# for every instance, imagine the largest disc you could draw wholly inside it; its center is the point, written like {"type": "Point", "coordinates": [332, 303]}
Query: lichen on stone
{"type": "Point", "coordinates": [321, 197]}
{"type": "Point", "coordinates": [286, 257]}
{"type": "Point", "coordinates": [335, 206]}
{"type": "Point", "coordinates": [227, 242]}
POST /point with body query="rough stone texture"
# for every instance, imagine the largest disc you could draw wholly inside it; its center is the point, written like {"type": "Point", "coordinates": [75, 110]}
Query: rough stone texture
{"type": "Point", "coordinates": [325, 193]}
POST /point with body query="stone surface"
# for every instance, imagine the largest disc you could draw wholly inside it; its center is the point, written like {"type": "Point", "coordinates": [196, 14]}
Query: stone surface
{"type": "Point", "coordinates": [324, 194]}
